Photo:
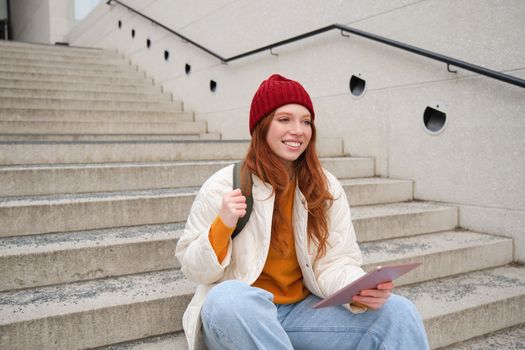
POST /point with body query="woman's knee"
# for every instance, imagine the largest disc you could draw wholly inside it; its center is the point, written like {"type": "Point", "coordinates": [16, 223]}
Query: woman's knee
{"type": "Point", "coordinates": [233, 297]}
{"type": "Point", "coordinates": [223, 296]}
{"type": "Point", "coordinates": [400, 307]}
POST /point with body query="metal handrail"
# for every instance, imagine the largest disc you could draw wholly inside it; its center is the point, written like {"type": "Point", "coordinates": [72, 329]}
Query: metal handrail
{"type": "Point", "coordinates": [413, 49]}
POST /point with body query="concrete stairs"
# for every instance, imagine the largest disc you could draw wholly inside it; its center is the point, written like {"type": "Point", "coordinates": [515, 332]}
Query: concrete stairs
{"type": "Point", "coordinates": [94, 195]}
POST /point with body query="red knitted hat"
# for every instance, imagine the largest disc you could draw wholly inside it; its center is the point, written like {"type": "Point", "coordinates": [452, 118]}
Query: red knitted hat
{"type": "Point", "coordinates": [274, 92]}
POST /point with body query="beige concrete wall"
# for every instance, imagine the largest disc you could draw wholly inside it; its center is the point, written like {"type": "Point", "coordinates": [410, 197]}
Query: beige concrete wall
{"type": "Point", "coordinates": [41, 21]}
{"type": "Point", "coordinates": [30, 21]}
{"type": "Point", "coordinates": [477, 163]}
{"type": "Point", "coordinates": [61, 19]}
{"type": "Point", "coordinates": [3, 9]}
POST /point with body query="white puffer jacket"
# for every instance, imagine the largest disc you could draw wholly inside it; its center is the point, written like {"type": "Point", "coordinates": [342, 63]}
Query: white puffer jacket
{"type": "Point", "coordinates": [248, 251]}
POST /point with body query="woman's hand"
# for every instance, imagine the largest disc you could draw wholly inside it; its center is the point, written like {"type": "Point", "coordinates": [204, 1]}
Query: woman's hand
{"type": "Point", "coordinates": [233, 207]}
{"type": "Point", "coordinates": [374, 298]}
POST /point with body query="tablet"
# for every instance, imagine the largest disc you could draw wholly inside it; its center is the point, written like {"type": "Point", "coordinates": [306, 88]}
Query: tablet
{"type": "Point", "coordinates": [380, 274]}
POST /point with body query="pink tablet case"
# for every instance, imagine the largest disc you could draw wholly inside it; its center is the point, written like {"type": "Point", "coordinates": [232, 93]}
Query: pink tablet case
{"type": "Point", "coordinates": [377, 276]}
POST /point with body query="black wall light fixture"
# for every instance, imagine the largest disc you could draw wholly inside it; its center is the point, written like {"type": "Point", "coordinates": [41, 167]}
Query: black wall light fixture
{"type": "Point", "coordinates": [357, 85]}
{"type": "Point", "coordinates": [434, 120]}
{"type": "Point", "coordinates": [213, 85]}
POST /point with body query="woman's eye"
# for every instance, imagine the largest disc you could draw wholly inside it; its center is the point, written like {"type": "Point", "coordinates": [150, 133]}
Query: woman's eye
{"type": "Point", "coordinates": [308, 122]}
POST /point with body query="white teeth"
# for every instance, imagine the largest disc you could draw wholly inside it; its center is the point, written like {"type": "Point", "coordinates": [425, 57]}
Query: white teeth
{"type": "Point", "coordinates": [292, 144]}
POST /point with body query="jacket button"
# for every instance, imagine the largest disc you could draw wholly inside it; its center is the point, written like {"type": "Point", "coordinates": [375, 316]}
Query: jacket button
{"type": "Point", "coordinates": [307, 265]}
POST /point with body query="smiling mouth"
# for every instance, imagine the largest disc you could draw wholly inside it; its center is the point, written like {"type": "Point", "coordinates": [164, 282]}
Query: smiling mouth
{"type": "Point", "coordinates": [292, 143]}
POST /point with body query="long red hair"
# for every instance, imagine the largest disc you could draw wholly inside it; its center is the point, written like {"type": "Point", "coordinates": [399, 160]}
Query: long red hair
{"type": "Point", "coordinates": [267, 166]}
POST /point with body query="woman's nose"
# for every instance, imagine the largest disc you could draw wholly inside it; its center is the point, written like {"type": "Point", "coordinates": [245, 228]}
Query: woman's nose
{"type": "Point", "coordinates": [297, 128]}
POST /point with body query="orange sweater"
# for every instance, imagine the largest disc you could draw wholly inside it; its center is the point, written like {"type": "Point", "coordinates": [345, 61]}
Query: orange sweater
{"type": "Point", "coordinates": [281, 274]}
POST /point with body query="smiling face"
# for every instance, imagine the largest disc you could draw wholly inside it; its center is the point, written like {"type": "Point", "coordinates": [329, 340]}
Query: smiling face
{"type": "Point", "coordinates": [290, 132]}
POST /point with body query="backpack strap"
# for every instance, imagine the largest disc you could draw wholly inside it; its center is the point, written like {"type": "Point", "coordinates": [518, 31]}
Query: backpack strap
{"type": "Point", "coordinates": [249, 199]}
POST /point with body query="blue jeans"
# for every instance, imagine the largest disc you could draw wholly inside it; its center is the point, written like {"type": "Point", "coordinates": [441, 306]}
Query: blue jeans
{"type": "Point", "coordinates": [238, 316]}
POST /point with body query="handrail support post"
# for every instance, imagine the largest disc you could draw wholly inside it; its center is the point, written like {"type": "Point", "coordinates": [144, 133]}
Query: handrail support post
{"type": "Point", "coordinates": [450, 70]}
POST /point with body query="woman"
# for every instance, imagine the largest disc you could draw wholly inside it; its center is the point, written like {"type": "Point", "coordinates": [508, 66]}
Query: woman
{"type": "Point", "coordinates": [256, 291]}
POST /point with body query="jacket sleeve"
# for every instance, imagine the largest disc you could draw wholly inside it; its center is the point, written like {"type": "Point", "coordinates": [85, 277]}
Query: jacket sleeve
{"type": "Point", "coordinates": [194, 251]}
{"type": "Point", "coordinates": [342, 262]}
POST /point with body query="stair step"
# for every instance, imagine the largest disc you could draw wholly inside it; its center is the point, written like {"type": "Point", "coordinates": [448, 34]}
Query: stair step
{"type": "Point", "coordinates": [81, 178]}
{"type": "Point", "coordinates": [53, 49]}
{"type": "Point", "coordinates": [33, 61]}
{"type": "Point", "coordinates": [109, 137]}
{"type": "Point", "coordinates": [63, 213]}
{"type": "Point", "coordinates": [82, 95]}
{"type": "Point", "coordinates": [512, 338]}
{"type": "Point", "coordinates": [48, 259]}
{"type": "Point", "coordinates": [112, 70]}
{"type": "Point", "coordinates": [62, 55]}
{"type": "Point", "coordinates": [79, 115]}
{"type": "Point", "coordinates": [442, 254]}
{"type": "Point", "coordinates": [78, 86]}
{"type": "Point", "coordinates": [77, 78]}
{"type": "Point", "coordinates": [65, 59]}
{"type": "Point", "coordinates": [132, 307]}
{"type": "Point", "coordinates": [105, 152]}
{"type": "Point", "coordinates": [108, 127]}
{"type": "Point", "coordinates": [465, 306]}
{"type": "Point", "coordinates": [42, 152]}
{"type": "Point", "coordinates": [94, 313]}
{"type": "Point", "coordinates": [377, 222]}
{"type": "Point", "coordinates": [170, 341]}
{"type": "Point", "coordinates": [43, 214]}
{"type": "Point", "coordinates": [57, 103]}
{"type": "Point", "coordinates": [349, 167]}
{"type": "Point", "coordinates": [377, 190]}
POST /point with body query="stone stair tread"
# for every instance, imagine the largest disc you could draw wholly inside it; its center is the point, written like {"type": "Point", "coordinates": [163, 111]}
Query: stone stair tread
{"type": "Point", "coordinates": [38, 303]}
{"type": "Point", "coordinates": [12, 201]}
{"type": "Point", "coordinates": [386, 251]}
{"type": "Point", "coordinates": [62, 53]}
{"type": "Point", "coordinates": [35, 244]}
{"type": "Point", "coordinates": [512, 338]}
{"type": "Point", "coordinates": [112, 165]}
{"type": "Point", "coordinates": [110, 137]}
{"type": "Point", "coordinates": [66, 59]}
{"type": "Point", "coordinates": [57, 103]}
{"type": "Point", "coordinates": [38, 64]}
{"type": "Point", "coordinates": [42, 113]}
{"type": "Point", "coordinates": [35, 47]}
{"type": "Point", "coordinates": [392, 209]}
{"type": "Point", "coordinates": [92, 95]}
{"type": "Point", "coordinates": [94, 197]}
{"type": "Point", "coordinates": [468, 305]}
{"type": "Point", "coordinates": [434, 299]}
{"type": "Point", "coordinates": [39, 152]}
{"type": "Point", "coordinates": [363, 181]}
{"type": "Point", "coordinates": [109, 122]}
{"type": "Point", "coordinates": [31, 61]}
{"type": "Point", "coordinates": [453, 294]}
{"type": "Point", "coordinates": [376, 253]}
{"type": "Point", "coordinates": [171, 341]}
{"type": "Point", "coordinates": [135, 79]}
{"type": "Point", "coordinates": [61, 70]}
{"type": "Point", "coordinates": [195, 142]}
{"type": "Point", "coordinates": [77, 86]}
